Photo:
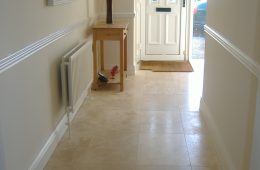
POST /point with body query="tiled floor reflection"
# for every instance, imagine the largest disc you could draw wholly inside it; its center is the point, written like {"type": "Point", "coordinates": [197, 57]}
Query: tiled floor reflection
{"type": "Point", "coordinates": [153, 125]}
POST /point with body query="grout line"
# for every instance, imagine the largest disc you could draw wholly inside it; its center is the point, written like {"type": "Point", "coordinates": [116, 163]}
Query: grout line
{"type": "Point", "coordinates": [185, 138]}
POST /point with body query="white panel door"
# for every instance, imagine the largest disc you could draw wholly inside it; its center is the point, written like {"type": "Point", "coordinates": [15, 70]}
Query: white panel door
{"type": "Point", "coordinates": [164, 29]}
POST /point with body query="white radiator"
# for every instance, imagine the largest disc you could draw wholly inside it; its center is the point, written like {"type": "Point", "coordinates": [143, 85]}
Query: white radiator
{"type": "Point", "coordinates": [76, 75]}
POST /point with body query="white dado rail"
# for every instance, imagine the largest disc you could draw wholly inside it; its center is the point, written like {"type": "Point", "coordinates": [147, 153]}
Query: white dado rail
{"type": "Point", "coordinates": [28, 51]}
{"type": "Point", "coordinates": [57, 2]}
{"type": "Point", "coordinates": [243, 58]}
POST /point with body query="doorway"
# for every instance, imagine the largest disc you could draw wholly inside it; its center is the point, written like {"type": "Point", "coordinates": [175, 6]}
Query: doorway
{"type": "Point", "coordinates": [164, 30]}
{"type": "Point", "coordinates": [191, 35]}
{"type": "Point", "coordinates": [199, 20]}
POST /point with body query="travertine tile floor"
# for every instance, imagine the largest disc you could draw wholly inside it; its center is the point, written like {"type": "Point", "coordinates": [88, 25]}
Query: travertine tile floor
{"type": "Point", "coordinates": [153, 125]}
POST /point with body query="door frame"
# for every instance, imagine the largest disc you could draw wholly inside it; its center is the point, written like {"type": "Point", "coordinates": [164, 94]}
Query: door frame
{"type": "Point", "coordinates": [187, 37]}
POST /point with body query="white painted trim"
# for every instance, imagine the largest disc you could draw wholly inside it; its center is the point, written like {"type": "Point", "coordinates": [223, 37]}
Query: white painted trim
{"type": "Point", "coordinates": [57, 2]}
{"type": "Point", "coordinates": [137, 66]}
{"type": "Point", "coordinates": [243, 58]}
{"type": "Point", "coordinates": [131, 70]}
{"type": "Point", "coordinates": [184, 31]}
{"type": "Point", "coordinates": [119, 15]}
{"type": "Point", "coordinates": [28, 51]}
{"type": "Point", "coordinates": [49, 147]}
{"type": "Point", "coordinates": [189, 30]}
{"type": "Point", "coordinates": [223, 155]}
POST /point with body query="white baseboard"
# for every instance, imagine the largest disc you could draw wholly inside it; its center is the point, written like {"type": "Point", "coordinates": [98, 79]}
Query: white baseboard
{"type": "Point", "coordinates": [223, 155]}
{"type": "Point", "coordinates": [137, 66]}
{"type": "Point", "coordinates": [28, 51]}
{"type": "Point", "coordinates": [57, 2]}
{"type": "Point", "coordinates": [49, 147]}
{"type": "Point", "coordinates": [131, 70]}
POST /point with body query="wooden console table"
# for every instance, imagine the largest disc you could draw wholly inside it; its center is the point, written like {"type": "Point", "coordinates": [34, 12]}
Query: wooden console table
{"type": "Point", "coordinates": [113, 32]}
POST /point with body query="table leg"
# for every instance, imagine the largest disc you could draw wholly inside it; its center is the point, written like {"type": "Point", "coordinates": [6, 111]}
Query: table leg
{"type": "Point", "coordinates": [102, 54]}
{"type": "Point", "coordinates": [95, 78]}
{"type": "Point", "coordinates": [122, 64]}
{"type": "Point", "coordinates": [125, 53]}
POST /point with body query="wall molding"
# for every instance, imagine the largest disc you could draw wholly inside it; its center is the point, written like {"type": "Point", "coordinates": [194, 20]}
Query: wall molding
{"type": "Point", "coordinates": [49, 147]}
{"type": "Point", "coordinates": [223, 156]}
{"type": "Point", "coordinates": [243, 58]}
{"type": "Point", "coordinates": [131, 70]}
{"type": "Point", "coordinates": [13, 59]}
{"type": "Point", "coordinates": [57, 2]}
{"type": "Point", "coordinates": [119, 15]}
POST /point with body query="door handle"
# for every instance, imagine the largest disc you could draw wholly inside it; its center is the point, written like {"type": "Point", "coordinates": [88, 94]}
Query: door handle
{"type": "Point", "coordinates": [183, 3]}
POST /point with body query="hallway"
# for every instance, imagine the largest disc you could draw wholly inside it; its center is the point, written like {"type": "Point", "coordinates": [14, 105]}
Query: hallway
{"type": "Point", "coordinates": [153, 125]}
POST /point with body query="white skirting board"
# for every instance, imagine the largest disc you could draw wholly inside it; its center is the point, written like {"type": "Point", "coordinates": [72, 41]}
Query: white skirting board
{"type": "Point", "coordinates": [49, 147]}
{"type": "Point", "coordinates": [131, 70]}
{"type": "Point", "coordinates": [224, 157]}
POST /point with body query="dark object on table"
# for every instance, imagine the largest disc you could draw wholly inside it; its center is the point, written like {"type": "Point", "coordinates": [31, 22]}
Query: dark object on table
{"type": "Point", "coordinates": [109, 12]}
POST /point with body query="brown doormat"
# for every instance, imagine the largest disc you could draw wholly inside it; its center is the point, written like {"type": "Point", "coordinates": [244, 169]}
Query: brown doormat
{"type": "Point", "coordinates": [166, 66]}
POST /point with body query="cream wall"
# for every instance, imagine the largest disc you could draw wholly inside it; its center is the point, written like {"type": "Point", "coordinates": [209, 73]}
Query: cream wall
{"type": "Point", "coordinates": [236, 20]}
{"type": "Point", "coordinates": [229, 93]}
{"type": "Point", "coordinates": [255, 163]}
{"type": "Point", "coordinates": [119, 6]}
{"type": "Point", "coordinates": [30, 101]}
{"type": "Point", "coordinates": [257, 37]}
{"type": "Point", "coordinates": [23, 23]}
{"type": "Point", "coordinates": [230, 88]}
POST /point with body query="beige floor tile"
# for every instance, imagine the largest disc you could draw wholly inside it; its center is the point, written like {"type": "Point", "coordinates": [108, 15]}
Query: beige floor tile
{"type": "Point", "coordinates": [201, 151]}
{"type": "Point", "coordinates": [173, 128]}
{"type": "Point", "coordinates": [162, 167]}
{"type": "Point", "coordinates": [206, 168]}
{"type": "Point", "coordinates": [112, 100]}
{"type": "Point", "coordinates": [159, 76]}
{"type": "Point", "coordinates": [110, 149]}
{"type": "Point", "coordinates": [63, 166]}
{"type": "Point", "coordinates": [161, 122]}
{"type": "Point", "coordinates": [114, 116]}
{"type": "Point", "coordinates": [108, 121]}
{"type": "Point", "coordinates": [191, 84]}
{"type": "Point", "coordinates": [189, 102]}
{"type": "Point", "coordinates": [160, 87]}
{"type": "Point", "coordinates": [105, 167]}
{"type": "Point", "coordinates": [193, 123]}
{"type": "Point", "coordinates": [142, 128]}
{"type": "Point", "coordinates": [67, 151]}
{"type": "Point", "coordinates": [159, 102]}
{"type": "Point", "coordinates": [163, 149]}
